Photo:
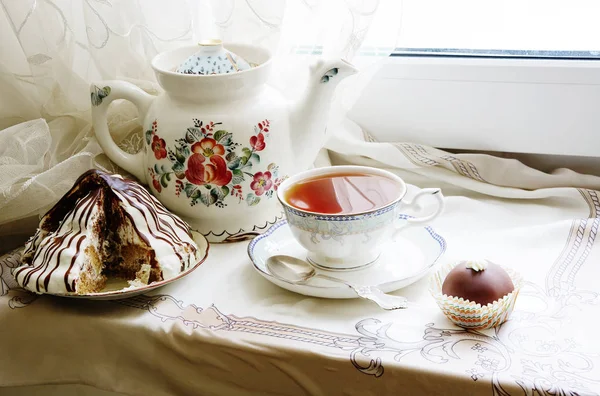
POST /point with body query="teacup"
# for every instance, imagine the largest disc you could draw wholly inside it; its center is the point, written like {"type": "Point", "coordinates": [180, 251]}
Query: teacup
{"type": "Point", "coordinates": [352, 240]}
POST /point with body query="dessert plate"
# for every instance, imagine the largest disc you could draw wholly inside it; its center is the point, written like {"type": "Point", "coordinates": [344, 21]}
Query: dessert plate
{"type": "Point", "coordinates": [117, 289]}
{"type": "Point", "coordinates": [401, 263]}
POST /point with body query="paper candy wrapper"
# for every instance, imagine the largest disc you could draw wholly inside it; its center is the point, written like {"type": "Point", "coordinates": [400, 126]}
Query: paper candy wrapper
{"type": "Point", "coordinates": [471, 315]}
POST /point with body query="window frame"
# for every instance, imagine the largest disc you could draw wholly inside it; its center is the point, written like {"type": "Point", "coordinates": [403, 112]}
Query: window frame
{"type": "Point", "coordinates": [515, 104]}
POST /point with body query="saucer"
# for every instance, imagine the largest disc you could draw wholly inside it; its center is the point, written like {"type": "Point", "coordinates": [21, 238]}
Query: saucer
{"type": "Point", "coordinates": [400, 264]}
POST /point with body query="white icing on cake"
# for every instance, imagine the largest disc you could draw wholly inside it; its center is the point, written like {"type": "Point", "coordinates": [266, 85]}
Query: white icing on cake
{"type": "Point", "coordinates": [476, 265]}
{"type": "Point", "coordinates": [57, 255]}
{"type": "Point", "coordinates": [167, 234]}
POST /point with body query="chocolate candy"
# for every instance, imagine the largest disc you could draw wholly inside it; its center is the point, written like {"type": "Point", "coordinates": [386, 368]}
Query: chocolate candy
{"type": "Point", "coordinates": [482, 286]}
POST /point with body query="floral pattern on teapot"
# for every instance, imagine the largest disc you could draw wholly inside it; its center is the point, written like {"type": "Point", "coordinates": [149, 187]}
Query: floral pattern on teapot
{"type": "Point", "coordinates": [329, 75]}
{"type": "Point", "coordinates": [98, 94]}
{"type": "Point", "coordinates": [209, 166]}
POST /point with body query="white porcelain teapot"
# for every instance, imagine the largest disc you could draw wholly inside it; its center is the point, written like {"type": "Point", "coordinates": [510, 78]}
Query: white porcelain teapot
{"type": "Point", "coordinates": [217, 146]}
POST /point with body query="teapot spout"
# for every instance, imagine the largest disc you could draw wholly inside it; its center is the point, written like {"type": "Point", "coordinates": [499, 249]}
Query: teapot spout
{"type": "Point", "coordinates": [310, 114]}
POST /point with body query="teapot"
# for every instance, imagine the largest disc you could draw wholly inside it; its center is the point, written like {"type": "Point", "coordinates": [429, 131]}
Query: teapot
{"type": "Point", "coordinates": [218, 145]}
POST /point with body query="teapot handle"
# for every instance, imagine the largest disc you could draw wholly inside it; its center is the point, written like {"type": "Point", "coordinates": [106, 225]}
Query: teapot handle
{"type": "Point", "coordinates": [102, 94]}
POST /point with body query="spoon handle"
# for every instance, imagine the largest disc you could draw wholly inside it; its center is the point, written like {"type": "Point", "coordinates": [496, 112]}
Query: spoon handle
{"type": "Point", "coordinates": [385, 301]}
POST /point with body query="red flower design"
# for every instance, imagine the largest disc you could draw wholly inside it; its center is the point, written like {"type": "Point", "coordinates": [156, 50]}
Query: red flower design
{"type": "Point", "coordinates": [214, 173]}
{"type": "Point", "coordinates": [208, 147]}
{"type": "Point", "coordinates": [159, 147]}
{"type": "Point", "coordinates": [178, 187]}
{"type": "Point", "coordinates": [262, 182]}
{"type": "Point", "coordinates": [156, 185]}
{"type": "Point", "coordinates": [258, 142]}
{"type": "Point", "coordinates": [264, 126]}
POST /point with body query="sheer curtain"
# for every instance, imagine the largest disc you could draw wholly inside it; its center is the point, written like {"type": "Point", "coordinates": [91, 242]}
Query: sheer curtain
{"type": "Point", "coordinates": [50, 50]}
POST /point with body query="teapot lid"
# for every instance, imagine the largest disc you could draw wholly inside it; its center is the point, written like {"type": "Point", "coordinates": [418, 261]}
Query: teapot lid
{"type": "Point", "coordinates": [212, 58]}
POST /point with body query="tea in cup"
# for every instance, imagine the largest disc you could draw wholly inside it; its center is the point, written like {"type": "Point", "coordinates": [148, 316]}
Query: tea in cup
{"type": "Point", "coordinates": [344, 215]}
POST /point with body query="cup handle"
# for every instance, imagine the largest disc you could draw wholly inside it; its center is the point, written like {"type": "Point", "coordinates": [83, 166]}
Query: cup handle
{"type": "Point", "coordinates": [102, 94]}
{"type": "Point", "coordinates": [423, 220]}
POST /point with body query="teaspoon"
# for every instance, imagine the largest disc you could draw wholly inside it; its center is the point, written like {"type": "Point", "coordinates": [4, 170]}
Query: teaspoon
{"type": "Point", "coordinates": [297, 271]}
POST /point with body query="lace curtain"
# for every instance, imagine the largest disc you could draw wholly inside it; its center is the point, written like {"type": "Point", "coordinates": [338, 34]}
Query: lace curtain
{"type": "Point", "coordinates": [52, 49]}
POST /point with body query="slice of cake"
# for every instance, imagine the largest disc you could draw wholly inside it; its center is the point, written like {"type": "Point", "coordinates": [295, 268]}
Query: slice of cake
{"type": "Point", "coordinates": [105, 227]}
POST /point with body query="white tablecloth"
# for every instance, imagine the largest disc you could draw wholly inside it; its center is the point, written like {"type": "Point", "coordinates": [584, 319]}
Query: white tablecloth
{"type": "Point", "coordinates": [224, 330]}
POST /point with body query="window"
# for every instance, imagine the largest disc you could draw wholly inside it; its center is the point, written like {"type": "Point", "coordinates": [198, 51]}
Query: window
{"type": "Point", "coordinates": [519, 76]}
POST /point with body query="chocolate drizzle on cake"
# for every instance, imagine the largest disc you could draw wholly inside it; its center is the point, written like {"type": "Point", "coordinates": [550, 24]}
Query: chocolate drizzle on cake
{"type": "Point", "coordinates": [105, 226]}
